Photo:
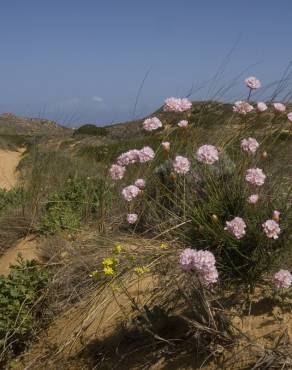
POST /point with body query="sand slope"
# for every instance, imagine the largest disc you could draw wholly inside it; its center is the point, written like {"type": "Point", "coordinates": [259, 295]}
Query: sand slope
{"type": "Point", "coordinates": [8, 162]}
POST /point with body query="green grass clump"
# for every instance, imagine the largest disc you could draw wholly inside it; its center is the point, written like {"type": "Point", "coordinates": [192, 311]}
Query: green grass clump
{"type": "Point", "coordinates": [76, 201]}
{"type": "Point", "coordinates": [11, 198]}
{"type": "Point", "coordinates": [19, 298]}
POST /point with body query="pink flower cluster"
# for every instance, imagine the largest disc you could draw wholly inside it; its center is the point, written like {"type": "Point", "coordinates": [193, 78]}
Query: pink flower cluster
{"type": "Point", "coordinates": [207, 154]}
{"type": "Point", "coordinates": [203, 262]}
{"type": "Point", "coordinates": [151, 124]}
{"type": "Point", "coordinates": [129, 157]}
{"type": "Point", "coordinates": [283, 279]}
{"type": "Point", "coordinates": [132, 218]}
{"type": "Point", "coordinates": [183, 124]}
{"type": "Point", "coordinates": [289, 116]}
{"type": "Point", "coordinates": [262, 107]}
{"type": "Point", "coordinates": [133, 156]}
{"type": "Point", "coordinates": [253, 83]}
{"type": "Point", "coordinates": [272, 229]}
{"type": "Point", "coordinates": [236, 227]}
{"type": "Point", "coordinates": [117, 172]}
{"type": "Point", "coordinates": [130, 192]}
{"type": "Point", "coordinates": [255, 176]}
{"type": "Point", "coordinates": [250, 145]}
{"type": "Point", "coordinates": [146, 154]}
{"type": "Point", "coordinates": [140, 183]}
{"type": "Point", "coordinates": [181, 165]}
{"type": "Point", "coordinates": [253, 199]}
{"type": "Point", "coordinates": [279, 107]}
{"type": "Point", "coordinates": [242, 107]}
{"type": "Point", "coordinates": [177, 105]}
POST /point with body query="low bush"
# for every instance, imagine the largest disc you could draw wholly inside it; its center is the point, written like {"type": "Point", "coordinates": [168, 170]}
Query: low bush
{"type": "Point", "coordinates": [90, 130]}
{"type": "Point", "coordinates": [20, 299]}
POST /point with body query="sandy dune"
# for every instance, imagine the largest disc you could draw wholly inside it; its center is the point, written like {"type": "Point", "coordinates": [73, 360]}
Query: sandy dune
{"type": "Point", "coordinates": [8, 162]}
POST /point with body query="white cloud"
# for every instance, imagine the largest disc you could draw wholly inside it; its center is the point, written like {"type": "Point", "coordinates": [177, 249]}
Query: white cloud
{"type": "Point", "coordinates": [98, 99]}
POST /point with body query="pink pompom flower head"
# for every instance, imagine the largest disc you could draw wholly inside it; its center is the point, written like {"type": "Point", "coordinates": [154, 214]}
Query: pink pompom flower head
{"type": "Point", "coordinates": [152, 123]}
{"type": "Point", "coordinates": [177, 105]}
{"type": "Point", "coordinates": [255, 176]}
{"type": "Point", "coordinates": [271, 229]}
{"type": "Point", "coordinates": [283, 279]}
{"type": "Point", "coordinates": [117, 172]}
{"type": "Point", "coordinates": [201, 262]}
{"type": "Point", "coordinates": [279, 107]}
{"type": "Point", "coordinates": [253, 199]}
{"type": "Point", "coordinates": [237, 227]}
{"type": "Point", "coordinates": [130, 192]}
{"type": "Point", "coordinates": [253, 83]}
{"type": "Point", "coordinates": [181, 165]}
{"type": "Point", "coordinates": [183, 124]}
{"type": "Point", "coordinates": [289, 116]}
{"type": "Point", "coordinates": [207, 154]}
{"type": "Point", "coordinates": [129, 157]}
{"type": "Point", "coordinates": [146, 154]}
{"type": "Point", "coordinates": [250, 145]}
{"type": "Point", "coordinates": [140, 183]}
{"type": "Point", "coordinates": [242, 107]}
{"type": "Point", "coordinates": [132, 218]}
{"type": "Point", "coordinates": [261, 107]}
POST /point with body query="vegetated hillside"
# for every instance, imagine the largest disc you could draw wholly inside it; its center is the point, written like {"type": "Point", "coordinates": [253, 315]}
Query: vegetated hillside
{"type": "Point", "coordinates": [18, 131]}
{"type": "Point", "coordinates": [11, 124]}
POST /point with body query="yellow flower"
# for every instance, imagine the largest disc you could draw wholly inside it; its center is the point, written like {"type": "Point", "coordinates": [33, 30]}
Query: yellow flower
{"type": "Point", "coordinates": [118, 249]}
{"type": "Point", "coordinates": [141, 270]}
{"type": "Point", "coordinates": [108, 270]}
{"type": "Point", "coordinates": [108, 262]}
{"type": "Point", "coordinates": [164, 246]}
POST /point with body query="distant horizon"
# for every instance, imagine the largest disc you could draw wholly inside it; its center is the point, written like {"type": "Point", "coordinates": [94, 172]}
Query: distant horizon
{"type": "Point", "coordinates": [75, 63]}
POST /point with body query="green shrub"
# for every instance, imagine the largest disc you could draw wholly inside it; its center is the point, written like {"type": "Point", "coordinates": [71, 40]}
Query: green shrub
{"type": "Point", "coordinates": [76, 201]}
{"type": "Point", "coordinates": [11, 198]}
{"type": "Point", "coordinates": [91, 130]}
{"type": "Point", "coordinates": [19, 293]}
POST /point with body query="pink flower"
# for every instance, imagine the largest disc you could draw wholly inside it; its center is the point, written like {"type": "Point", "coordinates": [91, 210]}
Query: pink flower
{"type": "Point", "coordinates": [202, 262]}
{"type": "Point", "coordinates": [289, 116]}
{"type": "Point", "coordinates": [151, 124]}
{"type": "Point", "coordinates": [140, 183]}
{"type": "Point", "coordinates": [177, 105]}
{"type": "Point", "coordinates": [262, 107]}
{"type": "Point", "coordinates": [207, 154]}
{"type": "Point", "coordinates": [236, 227]}
{"type": "Point", "coordinates": [130, 192]}
{"type": "Point", "coordinates": [253, 199]}
{"type": "Point", "coordinates": [283, 279]}
{"type": "Point", "coordinates": [242, 107]}
{"type": "Point", "coordinates": [183, 124]}
{"type": "Point", "coordinates": [279, 107]}
{"type": "Point", "coordinates": [117, 172]}
{"type": "Point", "coordinates": [253, 83]}
{"type": "Point", "coordinates": [271, 228]}
{"type": "Point", "coordinates": [166, 146]}
{"type": "Point", "coordinates": [255, 176]}
{"type": "Point", "coordinates": [146, 154]}
{"type": "Point", "coordinates": [129, 157]}
{"type": "Point", "coordinates": [249, 145]}
{"type": "Point", "coordinates": [181, 164]}
{"type": "Point", "coordinates": [276, 216]}
{"type": "Point", "coordinates": [132, 218]}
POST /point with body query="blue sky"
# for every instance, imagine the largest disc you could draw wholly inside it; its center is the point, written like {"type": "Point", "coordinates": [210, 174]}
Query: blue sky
{"type": "Point", "coordinates": [81, 61]}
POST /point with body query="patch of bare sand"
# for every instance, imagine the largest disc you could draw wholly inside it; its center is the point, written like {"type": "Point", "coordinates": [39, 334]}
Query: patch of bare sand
{"type": "Point", "coordinates": [8, 163]}
{"type": "Point", "coordinates": [27, 247]}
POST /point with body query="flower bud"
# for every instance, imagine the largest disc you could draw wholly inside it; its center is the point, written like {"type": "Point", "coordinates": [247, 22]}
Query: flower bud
{"type": "Point", "coordinates": [215, 218]}
{"type": "Point", "coordinates": [264, 155]}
